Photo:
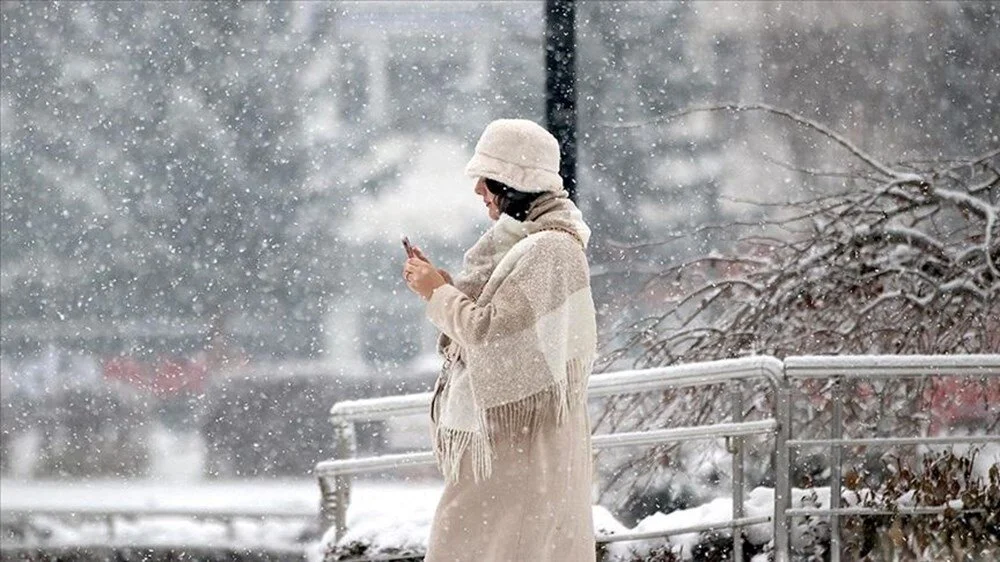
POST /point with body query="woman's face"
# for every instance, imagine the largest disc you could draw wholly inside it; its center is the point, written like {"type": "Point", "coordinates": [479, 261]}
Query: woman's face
{"type": "Point", "coordinates": [488, 199]}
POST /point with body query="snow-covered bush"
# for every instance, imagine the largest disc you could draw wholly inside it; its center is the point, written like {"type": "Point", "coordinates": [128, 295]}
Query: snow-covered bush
{"type": "Point", "coordinates": [268, 425]}
{"type": "Point", "coordinates": [659, 554]}
{"type": "Point", "coordinates": [96, 431]}
{"type": "Point", "coordinates": [873, 258]}
{"type": "Point", "coordinates": [946, 479]}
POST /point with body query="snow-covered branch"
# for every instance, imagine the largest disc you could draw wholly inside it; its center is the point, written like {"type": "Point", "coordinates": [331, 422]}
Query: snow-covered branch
{"type": "Point", "coordinates": [889, 262]}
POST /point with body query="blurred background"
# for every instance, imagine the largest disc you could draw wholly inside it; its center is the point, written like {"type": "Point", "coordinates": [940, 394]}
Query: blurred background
{"type": "Point", "coordinates": [202, 202]}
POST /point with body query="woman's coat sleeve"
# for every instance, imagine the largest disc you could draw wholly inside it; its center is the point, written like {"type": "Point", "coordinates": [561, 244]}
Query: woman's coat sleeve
{"type": "Point", "coordinates": [535, 278]}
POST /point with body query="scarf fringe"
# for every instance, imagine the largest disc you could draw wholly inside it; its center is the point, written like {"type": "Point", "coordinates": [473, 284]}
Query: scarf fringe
{"type": "Point", "coordinates": [514, 422]}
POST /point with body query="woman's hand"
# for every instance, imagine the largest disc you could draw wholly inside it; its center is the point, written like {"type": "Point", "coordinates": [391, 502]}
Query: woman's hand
{"type": "Point", "coordinates": [418, 253]}
{"type": "Point", "coordinates": [422, 277]}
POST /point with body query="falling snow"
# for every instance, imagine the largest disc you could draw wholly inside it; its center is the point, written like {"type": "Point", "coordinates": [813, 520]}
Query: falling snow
{"type": "Point", "coordinates": [202, 206]}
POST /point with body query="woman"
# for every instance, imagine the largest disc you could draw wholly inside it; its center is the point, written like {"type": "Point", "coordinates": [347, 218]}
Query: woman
{"type": "Point", "coordinates": [518, 335]}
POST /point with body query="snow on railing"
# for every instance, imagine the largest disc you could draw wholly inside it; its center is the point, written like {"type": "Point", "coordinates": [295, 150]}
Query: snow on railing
{"type": "Point", "coordinates": [601, 385]}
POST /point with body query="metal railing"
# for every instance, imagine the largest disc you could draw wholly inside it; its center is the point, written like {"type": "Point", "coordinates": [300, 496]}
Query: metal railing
{"type": "Point", "coordinates": [836, 370]}
{"type": "Point", "coordinates": [334, 475]}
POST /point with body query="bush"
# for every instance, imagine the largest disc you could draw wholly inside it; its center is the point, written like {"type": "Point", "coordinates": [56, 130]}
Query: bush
{"type": "Point", "coordinates": [92, 432]}
{"type": "Point", "coordinates": [268, 427]}
{"type": "Point", "coordinates": [275, 425]}
{"type": "Point", "coordinates": [946, 479]}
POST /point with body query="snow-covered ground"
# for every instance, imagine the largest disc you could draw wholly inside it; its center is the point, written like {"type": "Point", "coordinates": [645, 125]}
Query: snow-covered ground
{"type": "Point", "coordinates": [405, 529]}
{"type": "Point", "coordinates": [384, 515]}
{"type": "Point", "coordinates": [395, 503]}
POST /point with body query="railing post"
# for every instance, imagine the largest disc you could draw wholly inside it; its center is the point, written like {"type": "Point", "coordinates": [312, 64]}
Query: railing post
{"type": "Point", "coordinates": [782, 470]}
{"type": "Point", "coordinates": [336, 497]}
{"type": "Point", "coordinates": [836, 433]}
{"type": "Point", "coordinates": [736, 449]}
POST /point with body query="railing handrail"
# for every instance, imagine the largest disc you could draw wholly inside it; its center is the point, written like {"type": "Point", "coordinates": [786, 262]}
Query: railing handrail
{"type": "Point", "coordinates": [877, 366]}
{"type": "Point", "coordinates": [374, 409]}
{"type": "Point", "coordinates": [336, 467]}
{"type": "Point", "coordinates": [700, 528]}
{"type": "Point", "coordinates": [600, 385]}
{"type": "Point", "coordinates": [891, 441]}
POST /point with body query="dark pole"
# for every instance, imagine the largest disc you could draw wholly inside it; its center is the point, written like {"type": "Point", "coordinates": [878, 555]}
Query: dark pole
{"type": "Point", "coordinates": [560, 84]}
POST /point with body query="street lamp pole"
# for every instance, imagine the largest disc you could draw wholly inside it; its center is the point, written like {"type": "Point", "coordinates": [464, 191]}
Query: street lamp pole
{"type": "Point", "coordinates": [560, 84]}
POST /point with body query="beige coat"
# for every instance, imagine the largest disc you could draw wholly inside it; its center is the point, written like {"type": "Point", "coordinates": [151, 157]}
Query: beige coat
{"type": "Point", "coordinates": [535, 507]}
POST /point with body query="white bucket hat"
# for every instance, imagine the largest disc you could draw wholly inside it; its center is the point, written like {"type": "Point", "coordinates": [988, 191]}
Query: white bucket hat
{"type": "Point", "coordinates": [519, 153]}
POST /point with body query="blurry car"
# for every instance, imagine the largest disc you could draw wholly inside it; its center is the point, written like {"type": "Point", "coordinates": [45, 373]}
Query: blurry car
{"type": "Point", "coordinates": [74, 422]}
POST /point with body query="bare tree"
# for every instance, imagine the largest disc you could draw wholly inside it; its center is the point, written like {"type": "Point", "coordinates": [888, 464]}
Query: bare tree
{"type": "Point", "coordinates": [899, 258]}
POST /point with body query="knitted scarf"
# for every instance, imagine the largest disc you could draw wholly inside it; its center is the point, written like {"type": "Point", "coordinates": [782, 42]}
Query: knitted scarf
{"type": "Point", "coordinates": [531, 358]}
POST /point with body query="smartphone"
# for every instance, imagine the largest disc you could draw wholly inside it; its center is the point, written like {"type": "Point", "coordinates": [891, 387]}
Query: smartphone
{"type": "Point", "coordinates": [407, 247]}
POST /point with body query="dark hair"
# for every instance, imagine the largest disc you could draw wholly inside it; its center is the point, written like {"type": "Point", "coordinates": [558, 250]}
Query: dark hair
{"type": "Point", "coordinates": [511, 201]}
